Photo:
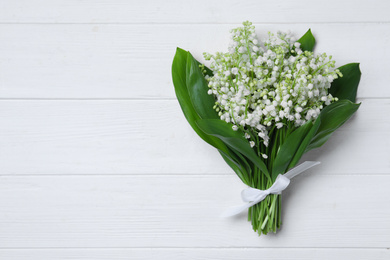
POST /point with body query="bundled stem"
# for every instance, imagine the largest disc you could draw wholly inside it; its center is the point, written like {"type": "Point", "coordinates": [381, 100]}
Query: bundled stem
{"type": "Point", "coordinates": [266, 215]}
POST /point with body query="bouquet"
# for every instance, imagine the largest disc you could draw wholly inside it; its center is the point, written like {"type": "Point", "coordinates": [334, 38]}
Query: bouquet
{"type": "Point", "coordinates": [262, 105]}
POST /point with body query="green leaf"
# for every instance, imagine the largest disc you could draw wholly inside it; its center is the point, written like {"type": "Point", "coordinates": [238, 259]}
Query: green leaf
{"type": "Point", "coordinates": [234, 139]}
{"type": "Point", "coordinates": [237, 168]}
{"type": "Point", "coordinates": [332, 117]}
{"type": "Point", "coordinates": [289, 148]}
{"type": "Point", "coordinates": [307, 41]}
{"type": "Point", "coordinates": [180, 83]}
{"type": "Point", "coordinates": [197, 89]}
{"type": "Point", "coordinates": [346, 86]}
{"type": "Point", "coordinates": [179, 77]}
{"type": "Point", "coordinates": [306, 141]}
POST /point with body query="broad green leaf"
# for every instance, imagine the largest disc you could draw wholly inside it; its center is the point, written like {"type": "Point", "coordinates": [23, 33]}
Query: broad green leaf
{"type": "Point", "coordinates": [234, 139]}
{"type": "Point", "coordinates": [239, 160]}
{"type": "Point", "coordinates": [288, 149]}
{"type": "Point", "coordinates": [237, 168]}
{"type": "Point", "coordinates": [247, 166]}
{"type": "Point", "coordinates": [179, 81]}
{"type": "Point", "coordinates": [346, 86]}
{"type": "Point", "coordinates": [197, 89]}
{"type": "Point", "coordinates": [332, 117]}
{"type": "Point", "coordinates": [307, 41]}
{"type": "Point", "coordinates": [306, 141]}
{"type": "Point", "coordinates": [179, 77]}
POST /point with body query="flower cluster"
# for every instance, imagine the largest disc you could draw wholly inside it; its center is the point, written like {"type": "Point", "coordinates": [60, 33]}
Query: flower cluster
{"type": "Point", "coordinates": [260, 85]}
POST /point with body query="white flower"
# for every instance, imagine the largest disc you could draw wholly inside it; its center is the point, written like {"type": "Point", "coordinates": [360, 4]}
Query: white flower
{"type": "Point", "coordinates": [258, 85]}
{"type": "Point", "coordinates": [241, 49]}
{"type": "Point", "coordinates": [251, 143]}
{"type": "Point", "coordinates": [264, 155]}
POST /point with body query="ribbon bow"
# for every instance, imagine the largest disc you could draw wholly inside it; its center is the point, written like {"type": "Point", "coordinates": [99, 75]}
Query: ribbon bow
{"type": "Point", "coordinates": [254, 196]}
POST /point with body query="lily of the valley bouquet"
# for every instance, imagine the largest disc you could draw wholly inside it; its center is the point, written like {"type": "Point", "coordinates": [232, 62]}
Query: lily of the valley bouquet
{"type": "Point", "coordinates": [263, 104]}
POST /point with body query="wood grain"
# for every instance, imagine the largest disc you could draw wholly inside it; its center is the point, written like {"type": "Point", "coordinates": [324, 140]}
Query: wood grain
{"type": "Point", "coordinates": [325, 211]}
{"type": "Point", "coordinates": [153, 137]}
{"type": "Point", "coordinates": [97, 161]}
{"type": "Point", "coordinates": [134, 61]}
{"type": "Point", "coordinates": [195, 254]}
{"type": "Point", "coordinates": [201, 11]}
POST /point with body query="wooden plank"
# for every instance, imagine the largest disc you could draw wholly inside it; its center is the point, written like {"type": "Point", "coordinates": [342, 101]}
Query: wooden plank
{"type": "Point", "coordinates": [202, 11]}
{"type": "Point", "coordinates": [325, 211]}
{"type": "Point", "coordinates": [134, 61]}
{"type": "Point", "coordinates": [195, 254]}
{"type": "Point", "coordinates": [152, 137]}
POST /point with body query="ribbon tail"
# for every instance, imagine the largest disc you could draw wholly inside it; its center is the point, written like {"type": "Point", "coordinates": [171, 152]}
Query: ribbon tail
{"type": "Point", "coordinates": [300, 168]}
{"type": "Point", "coordinates": [232, 211]}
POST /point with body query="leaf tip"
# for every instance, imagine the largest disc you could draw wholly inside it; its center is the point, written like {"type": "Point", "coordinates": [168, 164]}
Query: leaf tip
{"type": "Point", "coordinates": [358, 67]}
{"type": "Point", "coordinates": [180, 50]}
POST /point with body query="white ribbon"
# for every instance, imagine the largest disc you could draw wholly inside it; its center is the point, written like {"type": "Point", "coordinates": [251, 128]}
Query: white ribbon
{"type": "Point", "coordinates": [254, 196]}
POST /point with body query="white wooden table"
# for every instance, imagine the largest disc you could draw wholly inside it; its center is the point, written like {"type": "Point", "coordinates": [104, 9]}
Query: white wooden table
{"type": "Point", "coordinates": [98, 162]}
